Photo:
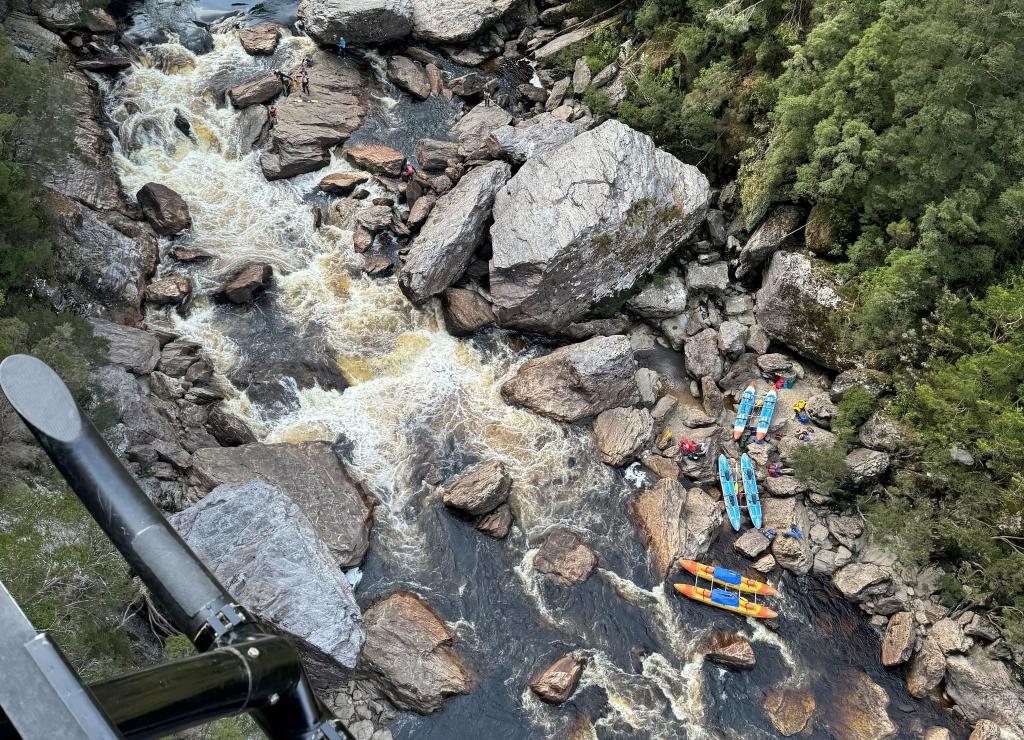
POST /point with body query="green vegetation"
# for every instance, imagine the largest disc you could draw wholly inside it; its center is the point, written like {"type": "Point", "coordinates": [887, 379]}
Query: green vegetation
{"type": "Point", "coordinates": [822, 468]}
{"type": "Point", "coordinates": [855, 408]}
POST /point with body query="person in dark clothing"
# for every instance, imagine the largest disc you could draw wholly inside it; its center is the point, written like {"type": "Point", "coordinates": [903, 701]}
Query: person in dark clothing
{"type": "Point", "coordinates": [286, 83]}
{"type": "Point", "coordinates": [304, 80]}
{"type": "Point", "coordinates": [272, 113]}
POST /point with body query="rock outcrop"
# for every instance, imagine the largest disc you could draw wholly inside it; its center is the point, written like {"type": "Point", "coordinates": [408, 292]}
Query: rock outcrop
{"type": "Point", "coordinates": [409, 76]}
{"type": "Point", "coordinates": [798, 305]}
{"type": "Point", "coordinates": [769, 236]}
{"type": "Point", "coordinates": [357, 21]}
{"type": "Point", "coordinates": [859, 581]}
{"type": "Point", "coordinates": [620, 434]}
{"type": "Point", "coordinates": [450, 21]}
{"type": "Point", "coordinates": [311, 475]}
{"type": "Point", "coordinates": [558, 681]}
{"type": "Point", "coordinates": [480, 489]}
{"type": "Point", "coordinates": [985, 689]}
{"type": "Point", "coordinates": [926, 669]}
{"type": "Point", "coordinates": [677, 523]}
{"type": "Point", "coordinates": [261, 89]}
{"type": "Point", "coordinates": [861, 711]}
{"type": "Point", "coordinates": [443, 249]}
{"type": "Point", "coordinates": [132, 348]}
{"type": "Point", "coordinates": [303, 135]}
{"type": "Point", "coordinates": [264, 549]}
{"type": "Point", "coordinates": [408, 654]}
{"type": "Point", "coordinates": [577, 381]}
{"type": "Point", "coordinates": [531, 137]}
{"type": "Point", "coordinates": [166, 211]}
{"type": "Point", "coordinates": [585, 221]}
{"type": "Point", "coordinates": [376, 158]}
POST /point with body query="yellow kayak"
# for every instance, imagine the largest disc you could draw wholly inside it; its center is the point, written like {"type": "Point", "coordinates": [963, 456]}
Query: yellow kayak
{"type": "Point", "coordinates": [726, 577]}
{"type": "Point", "coordinates": [725, 600]}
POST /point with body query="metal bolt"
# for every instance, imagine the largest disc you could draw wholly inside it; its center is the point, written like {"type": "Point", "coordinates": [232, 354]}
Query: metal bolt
{"type": "Point", "coordinates": [274, 698]}
{"type": "Point", "coordinates": [252, 652]}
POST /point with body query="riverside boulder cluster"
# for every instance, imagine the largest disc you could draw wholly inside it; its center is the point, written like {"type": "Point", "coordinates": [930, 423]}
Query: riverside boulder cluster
{"type": "Point", "coordinates": [550, 220]}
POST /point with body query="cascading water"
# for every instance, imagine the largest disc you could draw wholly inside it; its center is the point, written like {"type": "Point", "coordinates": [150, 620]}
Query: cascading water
{"type": "Point", "coordinates": [420, 400]}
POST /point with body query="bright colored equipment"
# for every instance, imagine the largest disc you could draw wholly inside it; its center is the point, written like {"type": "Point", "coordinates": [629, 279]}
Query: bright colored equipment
{"type": "Point", "coordinates": [732, 503]}
{"type": "Point", "coordinates": [743, 412]}
{"type": "Point", "coordinates": [767, 409]}
{"type": "Point", "coordinates": [750, 492]}
{"type": "Point", "coordinates": [726, 577]}
{"type": "Point", "coordinates": [727, 600]}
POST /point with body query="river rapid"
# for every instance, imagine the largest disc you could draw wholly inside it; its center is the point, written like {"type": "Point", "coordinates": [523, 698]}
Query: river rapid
{"type": "Point", "coordinates": [419, 404]}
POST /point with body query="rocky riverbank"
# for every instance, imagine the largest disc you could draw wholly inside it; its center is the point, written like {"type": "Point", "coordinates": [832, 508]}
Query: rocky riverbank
{"type": "Point", "coordinates": [533, 215]}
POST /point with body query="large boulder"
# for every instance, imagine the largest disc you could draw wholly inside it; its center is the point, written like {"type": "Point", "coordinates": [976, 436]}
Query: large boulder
{"type": "Point", "coordinates": [443, 249]}
{"type": "Point", "coordinates": [450, 21]}
{"type": "Point", "coordinates": [408, 654]}
{"type": "Point", "coordinates": [899, 640]}
{"type": "Point", "coordinates": [264, 549]}
{"type": "Point", "coordinates": [409, 76]}
{"type": "Point", "coordinates": [357, 21]}
{"type": "Point", "coordinates": [244, 285]}
{"type": "Point", "coordinates": [555, 255]}
{"type": "Point", "coordinates": [166, 211]}
{"type": "Point", "coordinates": [577, 381]}
{"type": "Point", "coordinates": [702, 356]}
{"type": "Point", "coordinates": [662, 298]}
{"type": "Point", "coordinates": [619, 434]}
{"type": "Point", "coordinates": [465, 311]}
{"type": "Point", "coordinates": [798, 305]}
{"type": "Point", "coordinates": [302, 138]}
{"type": "Point", "coordinates": [376, 158]}
{"type": "Point", "coordinates": [261, 39]}
{"type": "Point", "coordinates": [866, 466]}
{"type": "Point", "coordinates": [926, 669]}
{"type": "Point", "coordinates": [564, 557]}
{"type": "Point", "coordinates": [558, 681]}
{"type": "Point", "coordinates": [480, 489]}
{"type": "Point", "coordinates": [311, 475]}
{"type": "Point", "coordinates": [531, 137]}
{"type": "Point", "coordinates": [858, 582]}
{"type": "Point", "coordinates": [769, 236]}
{"type": "Point", "coordinates": [261, 89]}
{"type": "Point", "coordinates": [985, 689]}
{"type": "Point", "coordinates": [474, 128]}
{"type": "Point", "coordinates": [676, 522]}
{"type": "Point", "coordinates": [137, 350]}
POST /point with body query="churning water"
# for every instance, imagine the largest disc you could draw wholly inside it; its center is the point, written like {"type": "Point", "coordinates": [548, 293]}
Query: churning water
{"type": "Point", "coordinates": [420, 403]}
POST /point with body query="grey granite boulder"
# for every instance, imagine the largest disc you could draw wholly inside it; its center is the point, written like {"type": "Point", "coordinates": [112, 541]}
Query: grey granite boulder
{"type": "Point", "coordinates": [265, 551]}
{"type": "Point", "coordinates": [577, 381]}
{"type": "Point", "coordinates": [532, 137]}
{"type": "Point", "coordinates": [445, 245]}
{"type": "Point", "coordinates": [311, 475]}
{"type": "Point", "coordinates": [358, 21]}
{"type": "Point", "coordinates": [585, 221]}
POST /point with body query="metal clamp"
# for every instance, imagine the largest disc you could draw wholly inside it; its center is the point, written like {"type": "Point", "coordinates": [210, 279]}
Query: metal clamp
{"type": "Point", "coordinates": [225, 619]}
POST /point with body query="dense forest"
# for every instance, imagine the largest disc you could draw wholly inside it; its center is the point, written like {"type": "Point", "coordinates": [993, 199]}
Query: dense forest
{"type": "Point", "coordinates": [898, 126]}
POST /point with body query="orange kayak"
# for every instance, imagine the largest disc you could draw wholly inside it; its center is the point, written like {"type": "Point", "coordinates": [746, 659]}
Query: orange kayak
{"type": "Point", "coordinates": [726, 577]}
{"type": "Point", "coordinates": [727, 600]}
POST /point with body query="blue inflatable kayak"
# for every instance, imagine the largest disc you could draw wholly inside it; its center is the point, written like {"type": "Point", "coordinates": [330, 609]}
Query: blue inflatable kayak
{"type": "Point", "coordinates": [767, 409]}
{"type": "Point", "coordinates": [750, 492]}
{"type": "Point", "coordinates": [732, 503]}
{"type": "Point", "coordinates": [746, 407]}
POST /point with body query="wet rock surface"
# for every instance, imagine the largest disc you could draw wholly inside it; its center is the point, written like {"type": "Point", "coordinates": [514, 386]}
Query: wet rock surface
{"type": "Point", "coordinates": [359, 22]}
{"type": "Point", "coordinates": [730, 650]}
{"type": "Point", "coordinates": [677, 523]}
{"type": "Point", "coordinates": [479, 490]}
{"type": "Point", "coordinates": [165, 210]}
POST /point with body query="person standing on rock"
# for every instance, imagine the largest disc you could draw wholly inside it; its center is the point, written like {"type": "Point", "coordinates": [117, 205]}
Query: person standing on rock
{"type": "Point", "coordinates": [342, 47]}
{"type": "Point", "coordinates": [286, 85]}
{"type": "Point", "coordinates": [304, 81]}
{"type": "Point", "coordinates": [272, 114]}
